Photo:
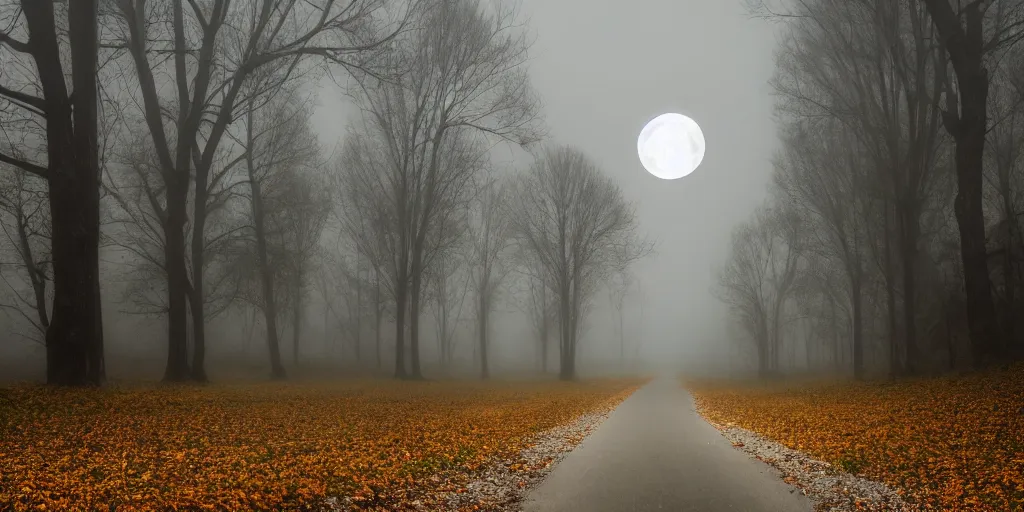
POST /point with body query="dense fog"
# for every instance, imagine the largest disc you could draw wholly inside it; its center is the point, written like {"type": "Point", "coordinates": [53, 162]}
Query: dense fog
{"type": "Point", "coordinates": [283, 190]}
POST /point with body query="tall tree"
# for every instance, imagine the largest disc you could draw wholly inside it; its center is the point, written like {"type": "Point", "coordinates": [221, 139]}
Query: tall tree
{"type": "Point", "coordinates": [968, 37]}
{"type": "Point", "coordinates": [579, 227]}
{"type": "Point", "coordinates": [225, 54]}
{"type": "Point", "coordinates": [821, 173]}
{"type": "Point", "coordinates": [489, 235]}
{"type": "Point", "coordinates": [758, 279]}
{"type": "Point", "coordinates": [278, 142]}
{"type": "Point", "coordinates": [463, 78]}
{"type": "Point", "coordinates": [74, 338]}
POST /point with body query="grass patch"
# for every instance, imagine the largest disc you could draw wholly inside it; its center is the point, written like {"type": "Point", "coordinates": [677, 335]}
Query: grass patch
{"type": "Point", "coordinates": [953, 443]}
{"type": "Point", "coordinates": [271, 446]}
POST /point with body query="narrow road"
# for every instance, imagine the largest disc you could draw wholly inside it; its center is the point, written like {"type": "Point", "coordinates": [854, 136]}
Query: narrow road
{"type": "Point", "coordinates": [654, 452]}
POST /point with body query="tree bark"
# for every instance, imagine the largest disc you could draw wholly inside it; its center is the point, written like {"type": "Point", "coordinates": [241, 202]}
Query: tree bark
{"type": "Point", "coordinates": [378, 313]}
{"type": "Point", "coordinates": [908, 258]}
{"type": "Point", "coordinates": [965, 45]}
{"type": "Point", "coordinates": [414, 324]}
{"type": "Point", "coordinates": [895, 368]}
{"type": "Point", "coordinates": [482, 312]}
{"type": "Point", "coordinates": [74, 345]}
{"type": "Point", "coordinates": [296, 323]}
{"type": "Point", "coordinates": [858, 328]}
{"type": "Point", "coordinates": [196, 299]}
{"type": "Point", "coordinates": [400, 310]}
{"type": "Point", "coordinates": [267, 281]}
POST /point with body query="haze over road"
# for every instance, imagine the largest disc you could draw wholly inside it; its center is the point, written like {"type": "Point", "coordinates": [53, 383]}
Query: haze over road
{"type": "Point", "coordinates": [656, 453]}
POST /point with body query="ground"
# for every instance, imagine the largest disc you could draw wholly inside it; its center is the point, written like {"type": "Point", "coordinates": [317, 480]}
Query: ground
{"type": "Point", "coordinates": [271, 446]}
{"type": "Point", "coordinates": [952, 443]}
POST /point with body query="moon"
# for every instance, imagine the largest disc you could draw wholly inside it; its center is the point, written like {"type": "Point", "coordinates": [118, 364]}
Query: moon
{"type": "Point", "coordinates": [671, 146]}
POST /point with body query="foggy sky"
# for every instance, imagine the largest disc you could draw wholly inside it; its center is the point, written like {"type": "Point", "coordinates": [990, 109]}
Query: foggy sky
{"type": "Point", "coordinates": [602, 71]}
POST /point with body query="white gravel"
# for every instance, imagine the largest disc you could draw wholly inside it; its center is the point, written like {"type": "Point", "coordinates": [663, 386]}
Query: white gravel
{"type": "Point", "coordinates": [497, 487]}
{"type": "Point", "coordinates": [826, 485]}
{"type": "Point", "coordinates": [503, 485]}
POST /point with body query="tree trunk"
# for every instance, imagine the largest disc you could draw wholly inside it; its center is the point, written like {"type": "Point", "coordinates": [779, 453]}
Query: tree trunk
{"type": "Point", "coordinates": [908, 223]}
{"type": "Point", "coordinates": [378, 314]}
{"type": "Point", "coordinates": [73, 345]}
{"type": "Point", "coordinates": [622, 340]}
{"type": "Point", "coordinates": [565, 335]}
{"type": "Point", "coordinates": [965, 42]}
{"type": "Point", "coordinates": [376, 333]}
{"type": "Point", "coordinates": [895, 368]}
{"type": "Point", "coordinates": [197, 299]}
{"type": "Point", "coordinates": [400, 310]}
{"type": "Point", "coordinates": [359, 314]}
{"type": "Point", "coordinates": [858, 328]}
{"type": "Point", "coordinates": [296, 323]}
{"type": "Point", "coordinates": [414, 325]}
{"type": "Point", "coordinates": [482, 313]}
{"type": "Point", "coordinates": [544, 326]}
{"type": "Point", "coordinates": [267, 281]}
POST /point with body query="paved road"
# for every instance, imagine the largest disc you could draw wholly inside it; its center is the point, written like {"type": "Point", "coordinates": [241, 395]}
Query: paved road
{"type": "Point", "coordinates": [656, 453]}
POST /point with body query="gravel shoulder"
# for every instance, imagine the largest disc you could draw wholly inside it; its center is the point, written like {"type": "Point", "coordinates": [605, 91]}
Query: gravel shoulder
{"type": "Point", "coordinates": [830, 489]}
{"type": "Point", "coordinates": [500, 485]}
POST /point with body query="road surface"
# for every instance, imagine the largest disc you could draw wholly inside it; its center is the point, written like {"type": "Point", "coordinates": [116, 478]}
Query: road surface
{"type": "Point", "coordinates": [654, 452]}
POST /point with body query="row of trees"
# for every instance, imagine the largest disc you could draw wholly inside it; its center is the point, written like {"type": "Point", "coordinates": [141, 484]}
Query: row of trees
{"type": "Point", "coordinates": [891, 238]}
{"type": "Point", "coordinates": [186, 147]}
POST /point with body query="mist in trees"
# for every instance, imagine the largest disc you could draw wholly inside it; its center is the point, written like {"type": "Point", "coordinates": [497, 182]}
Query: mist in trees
{"type": "Point", "coordinates": [897, 164]}
{"type": "Point", "coordinates": [174, 142]}
{"type": "Point", "coordinates": [439, 188]}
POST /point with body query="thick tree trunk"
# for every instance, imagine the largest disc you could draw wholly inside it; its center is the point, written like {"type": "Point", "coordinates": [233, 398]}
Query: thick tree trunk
{"type": "Point", "coordinates": [908, 222]}
{"type": "Point", "coordinates": [174, 248]}
{"type": "Point", "coordinates": [971, 221]}
{"type": "Point", "coordinates": [895, 368]}
{"type": "Point", "coordinates": [963, 36]}
{"type": "Point", "coordinates": [73, 340]}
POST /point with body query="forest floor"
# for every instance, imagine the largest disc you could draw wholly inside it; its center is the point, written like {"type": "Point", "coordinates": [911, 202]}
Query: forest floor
{"type": "Point", "coordinates": [951, 443]}
{"type": "Point", "coordinates": [377, 444]}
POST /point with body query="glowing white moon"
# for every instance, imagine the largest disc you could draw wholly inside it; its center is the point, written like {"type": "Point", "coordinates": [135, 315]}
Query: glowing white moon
{"type": "Point", "coordinates": [671, 146]}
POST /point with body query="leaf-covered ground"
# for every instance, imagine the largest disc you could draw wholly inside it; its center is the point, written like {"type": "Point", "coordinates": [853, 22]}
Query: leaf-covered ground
{"type": "Point", "coordinates": [268, 446]}
{"type": "Point", "coordinates": [951, 444]}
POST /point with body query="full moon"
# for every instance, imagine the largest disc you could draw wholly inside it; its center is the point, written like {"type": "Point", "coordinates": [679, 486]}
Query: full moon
{"type": "Point", "coordinates": [671, 146]}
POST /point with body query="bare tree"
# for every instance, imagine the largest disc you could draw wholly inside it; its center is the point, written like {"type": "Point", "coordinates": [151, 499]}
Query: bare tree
{"type": "Point", "coordinates": [463, 77]}
{"type": "Point", "coordinates": [490, 235]}
{"type": "Point", "coordinates": [618, 289]}
{"type": "Point", "coordinates": [26, 225]}
{"type": "Point", "coordinates": [225, 56]}
{"type": "Point", "coordinates": [303, 206]}
{"type": "Point", "coordinates": [576, 223]}
{"type": "Point", "coordinates": [968, 35]}
{"type": "Point", "coordinates": [448, 290]}
{"type": "Point", "coordinates": [870, 65]}
{"type": "Point", "coordinates": [278, 143]}
{"type": "Point", "coordinates": [822, 174]}
{"type": "Point", "coordinates": [40, 40]}
{"type": "Point", "coordinates": [758, 278]}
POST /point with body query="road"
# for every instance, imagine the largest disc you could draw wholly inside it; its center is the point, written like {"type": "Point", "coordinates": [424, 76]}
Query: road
{"type": "Point", "coordinates": [654, 452]}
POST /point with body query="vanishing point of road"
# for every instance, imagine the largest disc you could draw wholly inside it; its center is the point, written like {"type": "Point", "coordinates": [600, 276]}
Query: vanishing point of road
{"type": "Point", "coordinates": [654, 452]}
